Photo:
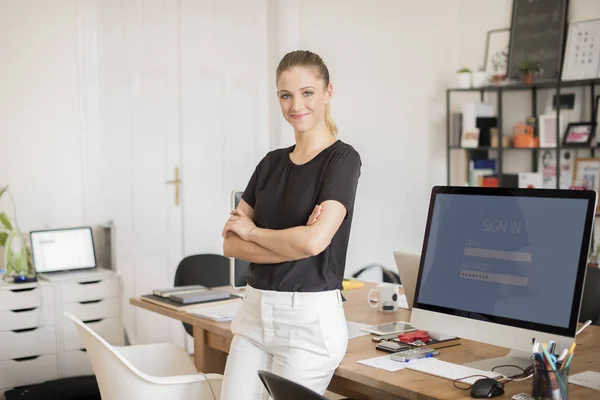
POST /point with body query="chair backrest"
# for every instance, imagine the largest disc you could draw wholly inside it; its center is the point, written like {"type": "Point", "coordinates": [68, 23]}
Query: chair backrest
{"type": "Point", "coordinates": [280, 388]}
{"type": "Point", "coordinates": [210, 270]}
{"type": "Point", "coordinates": [383, 274]}
{"type": "Point", "coordinates": [590, 303]}
{"type": "Point", "coordinates": [118, 378]}
{"type": "Point", "coordinates": [113, 372]}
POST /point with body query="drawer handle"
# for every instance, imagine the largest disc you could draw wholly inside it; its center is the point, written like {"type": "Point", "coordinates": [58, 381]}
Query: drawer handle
{"type": "Point", "coordinates": [23, 290]}
{"type": "Point", "coordinates": [83, 350]}
{"type": "Point", "coordinates": [24, 330]}
{"type": "Point", "coordinates": [24, 310]}
{"type": "Point", "coordinates": [90, 301]}
{"type": "Point", "coordinates": [92, 321]}
{"type": "Point", "coordinates": [88, 283]}
{"type": "Point", "coordinates": [25, 358]}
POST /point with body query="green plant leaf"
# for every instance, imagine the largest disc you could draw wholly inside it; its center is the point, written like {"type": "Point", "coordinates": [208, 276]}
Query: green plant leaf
{"type": "Point", "coordinates": [2, 190]}
{"type": "Point", "coordinates": [3, 236]}
{"type": "Point", "coordinates": [5, 221]}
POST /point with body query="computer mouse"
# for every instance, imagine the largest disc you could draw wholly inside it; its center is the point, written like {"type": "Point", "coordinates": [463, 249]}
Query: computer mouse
{"type": "Point", "coordinates": [486, 388]}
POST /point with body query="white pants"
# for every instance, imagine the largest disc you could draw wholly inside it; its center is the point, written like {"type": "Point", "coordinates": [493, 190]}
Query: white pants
{"type": "Point", "coordinates": [300, 336]}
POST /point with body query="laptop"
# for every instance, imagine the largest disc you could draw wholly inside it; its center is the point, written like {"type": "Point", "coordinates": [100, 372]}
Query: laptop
{"type": "Point", "coordinates": [408, 271]}
{"type": "Point", "coordinates": [66, 253]}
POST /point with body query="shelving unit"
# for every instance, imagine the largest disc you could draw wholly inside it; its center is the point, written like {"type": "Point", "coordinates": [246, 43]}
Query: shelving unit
{"type": "Point", "coordinates": [533, 88]}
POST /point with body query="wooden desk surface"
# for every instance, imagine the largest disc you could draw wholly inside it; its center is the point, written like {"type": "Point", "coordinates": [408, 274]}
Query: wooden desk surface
{"type": "Point", "coordinates": [352, 378]}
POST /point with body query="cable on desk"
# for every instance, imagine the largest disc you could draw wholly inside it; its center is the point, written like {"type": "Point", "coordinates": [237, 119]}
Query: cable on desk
{"type": "Point", "coordinates": [526, 374]}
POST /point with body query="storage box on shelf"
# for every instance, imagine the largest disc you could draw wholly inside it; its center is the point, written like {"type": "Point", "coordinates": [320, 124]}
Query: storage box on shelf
{"type": "Point", "coordinates": [37, 344]}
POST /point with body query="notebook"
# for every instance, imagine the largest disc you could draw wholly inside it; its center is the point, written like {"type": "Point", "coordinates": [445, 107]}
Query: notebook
{"type": "Point", "coordinates": [168, 303]}
{"type": "Point", "coordinates": [218, 313]}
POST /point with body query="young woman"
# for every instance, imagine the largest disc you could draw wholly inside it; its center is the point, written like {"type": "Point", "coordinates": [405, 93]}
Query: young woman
{"type": "Point", "coordinates": [293, 225]}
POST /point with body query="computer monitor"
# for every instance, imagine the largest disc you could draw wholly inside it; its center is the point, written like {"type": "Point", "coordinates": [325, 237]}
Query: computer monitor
{"type": "Point", "coordinates": [239, 269]}
{"type": "Point", "coordinates": [503, 266]}
{"type": "Point", "coordinates": [62, 249]}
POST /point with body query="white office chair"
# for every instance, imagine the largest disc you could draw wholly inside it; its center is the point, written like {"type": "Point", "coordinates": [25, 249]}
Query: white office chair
{"type": "Point", "coordinates": [152, 371]}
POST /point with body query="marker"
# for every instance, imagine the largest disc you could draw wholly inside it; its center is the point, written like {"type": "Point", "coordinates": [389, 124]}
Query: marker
{"type": "Point", "coordinates": [569, 356]}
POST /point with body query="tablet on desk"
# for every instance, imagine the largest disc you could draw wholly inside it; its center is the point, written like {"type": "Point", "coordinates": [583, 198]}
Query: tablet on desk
{"type": "Point", "coordinates": [390, 328]}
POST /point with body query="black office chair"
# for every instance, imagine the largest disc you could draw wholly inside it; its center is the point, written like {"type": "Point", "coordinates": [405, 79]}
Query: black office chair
{"type": "Point", "coordinates": [590, 303]}
{"type": "Point", "coordinates": [209, 270]}
{"type": "Point", "coordinates": [387, 275]}
{"type": "Point", "coordinates": [280, 388]}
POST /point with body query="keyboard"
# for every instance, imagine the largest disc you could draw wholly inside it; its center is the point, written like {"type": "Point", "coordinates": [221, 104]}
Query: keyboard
{"type": "Point", "coordinates": [446, 370]}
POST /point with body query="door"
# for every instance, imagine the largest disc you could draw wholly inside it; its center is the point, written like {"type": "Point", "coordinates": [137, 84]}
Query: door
{"type": "Point", "coordinates": [183, 85]}
{"type": "Point", "coordinates": [224, 117]}
{"type": "Point", "coordinates": [138, 66]}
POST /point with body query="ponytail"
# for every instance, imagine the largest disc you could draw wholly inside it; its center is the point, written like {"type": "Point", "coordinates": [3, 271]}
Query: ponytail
{"type": "Point", "coordinates": [329, 122]}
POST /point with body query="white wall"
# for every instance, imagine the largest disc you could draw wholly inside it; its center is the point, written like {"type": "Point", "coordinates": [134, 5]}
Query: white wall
{"type": "Point", "coordinates": [39, 111]}
{"type": "Point", "coordinates": [389, 75]}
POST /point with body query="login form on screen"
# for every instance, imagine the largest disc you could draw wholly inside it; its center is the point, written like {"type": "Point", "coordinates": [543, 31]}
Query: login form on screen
{"type": "Point", "coordinates": [513, 257]}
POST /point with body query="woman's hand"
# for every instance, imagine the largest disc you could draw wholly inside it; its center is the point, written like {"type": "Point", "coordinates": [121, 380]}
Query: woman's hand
{"type": "Point", "coordinates": [240, 224]}
{"type": "Point", "coordinates": [314, 216]}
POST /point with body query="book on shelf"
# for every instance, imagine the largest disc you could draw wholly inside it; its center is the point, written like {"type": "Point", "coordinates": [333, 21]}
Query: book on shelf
{"type": "Point", "coordinates": [478, 169]}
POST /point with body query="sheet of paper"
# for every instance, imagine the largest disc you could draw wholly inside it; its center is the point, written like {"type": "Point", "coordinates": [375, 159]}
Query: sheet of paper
{"type": "Point", "coordinates": [383, 362]}
{"type": "Point", "coordinates": [402, 302]}
{"type": "Point", "coordinates": [589, 379]}
{"type": "Point", "coordinates": [354, 329]}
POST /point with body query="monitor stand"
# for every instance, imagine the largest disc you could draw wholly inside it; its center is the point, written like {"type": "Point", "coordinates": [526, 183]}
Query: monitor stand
{"type": "Point", "coordinates": [513, 358]}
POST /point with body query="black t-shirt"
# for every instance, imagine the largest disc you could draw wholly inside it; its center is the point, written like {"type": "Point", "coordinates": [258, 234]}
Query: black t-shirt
{"type": "Point", "coordinates": [283, 195]}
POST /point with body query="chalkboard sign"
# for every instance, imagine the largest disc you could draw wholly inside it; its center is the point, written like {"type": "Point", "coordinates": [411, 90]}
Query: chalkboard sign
{"type": "Point", "coordinates": [537, 33]}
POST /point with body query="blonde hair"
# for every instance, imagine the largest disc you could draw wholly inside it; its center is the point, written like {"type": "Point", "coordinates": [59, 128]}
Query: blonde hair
{"type": "Point", "coordinates": [305, 58]}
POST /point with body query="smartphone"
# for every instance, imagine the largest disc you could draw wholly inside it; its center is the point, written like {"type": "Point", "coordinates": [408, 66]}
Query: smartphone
{"type": "Point", "coordinates": [411, 354]}
{"type": "Point", "coordinates": [391, 328]}
{"type": "Point", "coordinates": [391, 347]}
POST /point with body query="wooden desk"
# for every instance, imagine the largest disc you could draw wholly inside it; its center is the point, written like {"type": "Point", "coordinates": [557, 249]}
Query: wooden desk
{"type": "Point", "coordinates": [212, 341]}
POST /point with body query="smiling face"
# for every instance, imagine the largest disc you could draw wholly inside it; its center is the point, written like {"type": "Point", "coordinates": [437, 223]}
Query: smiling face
{"type": "Point", "coordinates": [302, 98]}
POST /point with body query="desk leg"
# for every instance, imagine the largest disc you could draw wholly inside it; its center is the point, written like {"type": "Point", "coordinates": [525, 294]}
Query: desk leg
{"type": "Point", "coordinates": [207, 359]}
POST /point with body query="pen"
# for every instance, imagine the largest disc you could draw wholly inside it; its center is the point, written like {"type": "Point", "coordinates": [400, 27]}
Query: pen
{"type": "Point", "coordinates": [569, 356]}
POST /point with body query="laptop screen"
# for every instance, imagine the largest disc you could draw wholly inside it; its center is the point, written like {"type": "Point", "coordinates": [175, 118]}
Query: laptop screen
{"type": "Point", "coordinates": [63, 249]}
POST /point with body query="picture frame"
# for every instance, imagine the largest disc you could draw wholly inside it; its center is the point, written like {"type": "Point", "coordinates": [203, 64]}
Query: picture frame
{"type": "Point", "coordinates": [495, 62]}
{"type": "Point", "coordinates": [581, 59]}
{"type": "Point", "coordinates": [597, 114]}
{"type": "Point", "coordinates": [578, 134]}
{"type": "Point", "coordinates": [537, 33]}
{"type": "Point", "coordinates": [547, 131]}
{"type": "Point", "coordinates": [586, 173]}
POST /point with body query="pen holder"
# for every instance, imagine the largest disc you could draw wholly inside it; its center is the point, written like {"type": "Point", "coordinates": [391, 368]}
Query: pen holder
{"type": "Point", "coordinates": [549, 384]}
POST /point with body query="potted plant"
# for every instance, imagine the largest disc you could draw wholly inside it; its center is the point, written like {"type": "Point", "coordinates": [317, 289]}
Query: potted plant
{"type": "Point", "coordinates": [499, 61]}
{"type": "Point", "coordinates": [480, 78]}
{"type": "Point", "coordinates": [528, 69]}
{"type": "Point", "coordinates": [464, 78]}
{"type": "Point", "coordinates": [17, 256]}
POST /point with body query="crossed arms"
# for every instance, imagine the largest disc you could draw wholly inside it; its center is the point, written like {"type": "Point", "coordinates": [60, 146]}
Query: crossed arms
{"type": "Point", "coordinates": [244, 240]}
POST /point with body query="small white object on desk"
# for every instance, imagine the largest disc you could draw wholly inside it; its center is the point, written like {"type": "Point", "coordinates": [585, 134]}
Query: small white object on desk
{"type": "Point", "coordinates": [218, 312]}
{"type": "Point", "coordinates": [384, 362]}
{"type": "Point", "coordinates": [589, 379]}
{"type": "Point", "coordinates": [354, 329]}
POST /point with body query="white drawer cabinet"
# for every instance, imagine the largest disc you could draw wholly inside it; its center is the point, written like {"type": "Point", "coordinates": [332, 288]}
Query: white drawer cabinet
{"type": "Point", "coordinates": [94, 309]}
{"type": "Point", "coordinates": [77, 363]}
{"type": "Point", "coordinates": [11, 320]}
{"type": "Point", "coordinates": [27, 343]}
{"type": "Point", "coordinates": [90, 290]}
{"type": "Point", "coordinates": [26, 295]}
{"type": "Point", "coordinates": [37, 343]}
{"type": "Point", "coordinates": [27, 371]}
